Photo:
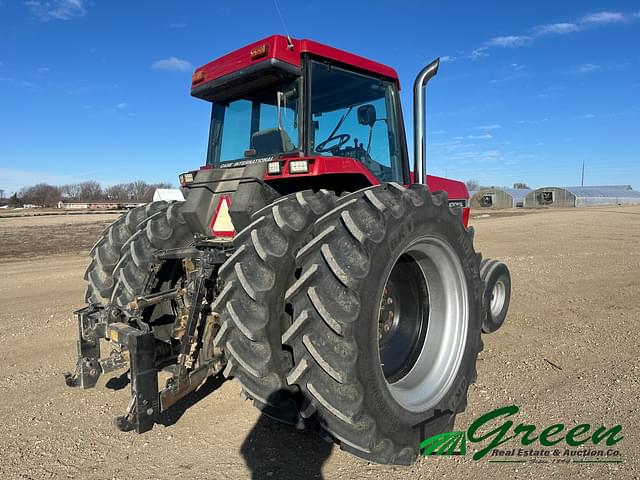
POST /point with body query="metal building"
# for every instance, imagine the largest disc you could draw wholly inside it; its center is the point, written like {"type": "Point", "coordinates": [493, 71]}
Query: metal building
{"type": "Point", "coordinates": [582, 196]}
{"type": "Point", "coordinates": [499, 197]}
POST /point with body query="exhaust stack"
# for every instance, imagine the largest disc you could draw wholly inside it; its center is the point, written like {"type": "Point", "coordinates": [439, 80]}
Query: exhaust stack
{"type": "Point", "coordinates": [419, 121]}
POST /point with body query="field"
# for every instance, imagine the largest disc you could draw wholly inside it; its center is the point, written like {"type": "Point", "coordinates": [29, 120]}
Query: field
{"type": "Point", "coordinates": [567, 354]}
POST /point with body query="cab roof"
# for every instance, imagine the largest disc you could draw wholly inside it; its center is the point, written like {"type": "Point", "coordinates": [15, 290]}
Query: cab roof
{"type": "Point", "coordinates": [276, 48]}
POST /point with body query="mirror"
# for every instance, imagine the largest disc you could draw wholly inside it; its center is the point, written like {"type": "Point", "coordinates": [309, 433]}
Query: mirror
{"type": "Point", "coordinates": [367, 115]}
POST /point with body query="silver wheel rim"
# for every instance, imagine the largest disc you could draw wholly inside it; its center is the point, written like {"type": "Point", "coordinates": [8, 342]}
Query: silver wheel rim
{"type": "Point", "coordinates": [498, 296]}
{"type": "Point", "coordinates": [439, 358]}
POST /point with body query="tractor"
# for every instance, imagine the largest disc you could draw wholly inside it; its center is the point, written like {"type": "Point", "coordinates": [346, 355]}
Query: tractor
{"type": "Point", "coordinates": [308, 261]}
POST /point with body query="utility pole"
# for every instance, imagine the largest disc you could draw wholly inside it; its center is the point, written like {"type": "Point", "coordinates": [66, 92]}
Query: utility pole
{"type": "Point", "coordinates": [582, 182]}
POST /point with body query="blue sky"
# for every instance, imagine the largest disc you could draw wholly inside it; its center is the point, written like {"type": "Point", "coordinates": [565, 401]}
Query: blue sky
{"type": "Point", "coordinates": [527, 90]}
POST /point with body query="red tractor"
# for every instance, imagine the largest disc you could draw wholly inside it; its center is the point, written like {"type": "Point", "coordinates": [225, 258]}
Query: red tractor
{"type": "Point", "coordinates": [308, 262]}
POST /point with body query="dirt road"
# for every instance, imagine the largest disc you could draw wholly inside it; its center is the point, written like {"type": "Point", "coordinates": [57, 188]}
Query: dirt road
{"type": "Point", "coordinates": [567, 354]}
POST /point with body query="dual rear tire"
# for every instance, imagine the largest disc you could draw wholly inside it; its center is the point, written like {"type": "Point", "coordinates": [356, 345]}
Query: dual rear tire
{"type": "Point", "coordinates": [108, 250]}
{"type": "Point", "coordinates": [365, 317]}
{"type": "Point", "coordinates": [386, 319]}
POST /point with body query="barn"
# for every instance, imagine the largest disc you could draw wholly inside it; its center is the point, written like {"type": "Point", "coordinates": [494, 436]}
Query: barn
{"type": "Point", "coordinates": [499, 197]}
{"type": "Point", "coordinates": [582, 196]}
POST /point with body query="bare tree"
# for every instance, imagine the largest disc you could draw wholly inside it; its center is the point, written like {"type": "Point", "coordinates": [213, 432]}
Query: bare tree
{"type": "Point", "coordinates": [42, 194]}
{"type": "Point", "coordinates": [90, 190]}
{"type": "Point", "coordinates": [119, 192]}
{"type": "Point", "coordinates": [520, 185]}
{"type": "Point", "coordinates": [138, 191]}
{"type": "Point", "coordinates": [70, 191]}
{"type": "Point", "coordinates": [1, 193]}
{"type": "Point", "coordinates": [14, 201]}
{"type": "Point", "coordinates": [472, 185]}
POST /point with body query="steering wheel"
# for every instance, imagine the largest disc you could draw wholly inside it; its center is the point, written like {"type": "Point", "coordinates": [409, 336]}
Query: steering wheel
{"type": "Point", "coordinates": [342, 139]}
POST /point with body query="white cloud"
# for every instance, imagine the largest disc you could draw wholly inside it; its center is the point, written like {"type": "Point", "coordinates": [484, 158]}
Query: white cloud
{"type": "Point", "coordinates": [587, 68]}
{"type": "Point", "coordinates": [603, 18]}
{"type": "Point", "coordinates": [43, 70]}
{"type": "Point", "coordinates": [588, 116]}
{"type": "Point", "coordinates": [174, 26]}
{"type": "Point", "coordinates": [448, 58]}
{"type": "Point", "coordinates": [122, 105]}
{"type": "Point", "coordinates": [556, 28]}
{"type": "Point", "coordinates": [172, 64]}
{"type": "Point", "coordinates": [479, 53]}
{"type": "Point", "coordinates": [491, 153]}
{"type": "Point", "coordinates": [512, 41]}
{"type": "Point", "coordinates": [494, 126]}
{"type": "Point", "coordinates": [561, 28]}
{"type": "Point", "coordinates": [57, 9]}
{"type": "Point", "coordinates": [474, 137]}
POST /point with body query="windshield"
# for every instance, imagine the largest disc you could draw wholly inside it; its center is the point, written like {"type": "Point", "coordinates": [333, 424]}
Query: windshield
{"type": "Point", "coordinates": [354, 116]}
{"type": "Point", "coordinates": [255, 127]}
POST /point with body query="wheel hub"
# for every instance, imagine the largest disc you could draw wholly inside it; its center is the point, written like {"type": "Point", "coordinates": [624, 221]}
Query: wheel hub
{"type": "Point", "coordinates": [498, 296]}
{"type": "Point", "coordinates": [422, 323]}
{"type": "Point", "coordinates": [403, 319]}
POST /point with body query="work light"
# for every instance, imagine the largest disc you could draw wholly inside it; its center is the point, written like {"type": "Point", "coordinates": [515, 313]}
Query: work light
{"type": "Point", "coordinates": [299, 166]}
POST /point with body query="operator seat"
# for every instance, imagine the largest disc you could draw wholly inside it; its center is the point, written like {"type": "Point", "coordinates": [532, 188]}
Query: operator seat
{"type": "Point", "coordinates": [271, 141]}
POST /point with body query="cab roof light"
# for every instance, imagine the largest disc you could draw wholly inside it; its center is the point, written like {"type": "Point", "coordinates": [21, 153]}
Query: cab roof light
{"type": "Point", "coordinates": [197, 77]}
{"type": "Point", "coordinates": [259, 51]}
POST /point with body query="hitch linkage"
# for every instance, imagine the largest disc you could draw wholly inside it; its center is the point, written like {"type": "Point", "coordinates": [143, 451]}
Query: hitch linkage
{"type": "Point", "coordinates": [138, 347]}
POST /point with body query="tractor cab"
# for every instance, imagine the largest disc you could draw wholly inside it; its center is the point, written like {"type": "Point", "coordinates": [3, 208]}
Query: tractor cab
{"type": "Point", "coordinates": [307, 109]}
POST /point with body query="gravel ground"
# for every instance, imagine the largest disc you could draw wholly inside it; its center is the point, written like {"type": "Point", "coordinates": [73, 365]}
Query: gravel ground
{"type": "Point", "coordinates": [568, 353]}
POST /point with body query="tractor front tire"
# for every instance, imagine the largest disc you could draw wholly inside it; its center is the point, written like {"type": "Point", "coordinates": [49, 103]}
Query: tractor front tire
{"type": "Point", "coordinates": [386, 320]}
{"type": "Point", "coordinates": [497, 293]}
{"type": "Point", "coordinates": [251, 304]}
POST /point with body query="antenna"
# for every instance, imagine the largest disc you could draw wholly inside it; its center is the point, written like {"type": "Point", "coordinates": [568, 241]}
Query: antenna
{"type": "Point", "coordinates": [284, 25]}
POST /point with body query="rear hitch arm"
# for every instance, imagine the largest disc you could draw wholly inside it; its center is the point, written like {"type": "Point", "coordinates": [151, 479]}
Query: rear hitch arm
{"type": "Point", "coordinates": [139, 347]}
{"type": "Point", "coordinates": [144, 407]}
{"type": "Point", "coordinates": [87, 369]}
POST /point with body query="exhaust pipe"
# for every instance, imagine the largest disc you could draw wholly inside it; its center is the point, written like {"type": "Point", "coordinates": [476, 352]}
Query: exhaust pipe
{"type": "Point", "coordinates": [419, 121]}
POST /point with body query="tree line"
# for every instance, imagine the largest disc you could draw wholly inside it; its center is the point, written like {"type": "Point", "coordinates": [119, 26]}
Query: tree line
{"type": "Point", "coordinates": [45, 195]}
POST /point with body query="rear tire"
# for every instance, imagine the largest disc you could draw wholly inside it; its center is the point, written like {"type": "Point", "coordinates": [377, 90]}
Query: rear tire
{"type": "Point", "coordinates": [337, 317]}
{"type": "Point", "coordinates": [251, 305]}
{"type": "Point", "coordinates": [164, 230]}
{"type": "Point", "coordinates": [106, 253]}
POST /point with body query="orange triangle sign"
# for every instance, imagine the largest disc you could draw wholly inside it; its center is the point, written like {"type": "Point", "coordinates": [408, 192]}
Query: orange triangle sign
{"type": "Point", "coordinates": [221, 225]}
